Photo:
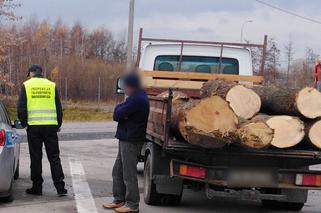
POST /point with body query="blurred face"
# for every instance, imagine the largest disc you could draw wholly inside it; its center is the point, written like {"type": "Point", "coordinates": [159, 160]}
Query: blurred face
{"type": "Point", "coordinates": [32, 74]}
{"type": "Point", "coordinates": [129, 90]}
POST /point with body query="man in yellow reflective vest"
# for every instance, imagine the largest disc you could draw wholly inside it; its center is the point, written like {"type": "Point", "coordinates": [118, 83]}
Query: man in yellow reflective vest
{"type": "Point", "coordinates": [39, 110]}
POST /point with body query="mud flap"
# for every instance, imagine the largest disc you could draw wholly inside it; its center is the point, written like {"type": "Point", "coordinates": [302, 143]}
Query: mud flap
{"type": "Point", "coordinates": [168, 185]}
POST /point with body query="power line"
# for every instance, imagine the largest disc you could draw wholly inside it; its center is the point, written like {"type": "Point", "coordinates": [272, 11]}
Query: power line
{"type": "Point", "coordinates": [289, 12]}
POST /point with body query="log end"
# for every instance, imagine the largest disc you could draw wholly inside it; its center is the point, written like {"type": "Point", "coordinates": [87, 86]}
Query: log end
{"type": "Point", "coordinates": [211, 119]}
{"type": "Point", "coordinates": [315, 134]}
{"type": "Point", "coordinates": [257, 135]}
{"type": "Point", "coordinates": [244, 101]}
{"type": "Point", "coordinates": [288, 131]}
{"type": "Point", "coordinates": [210, 115]}
{"type": "Point", "coordinates": [309, 102]}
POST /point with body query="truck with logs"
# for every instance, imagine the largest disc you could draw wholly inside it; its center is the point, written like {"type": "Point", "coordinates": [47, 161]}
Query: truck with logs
{"type": "Point", "coordinates": [215, 126]}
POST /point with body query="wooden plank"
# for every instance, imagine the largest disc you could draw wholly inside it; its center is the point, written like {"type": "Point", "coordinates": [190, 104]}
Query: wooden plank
{"type": "Point", "coordinates": [200, 76]}
{"type": "Point", "coordinates": [160, 83]}
{"type": "Point", "coordinates": [156, 91]}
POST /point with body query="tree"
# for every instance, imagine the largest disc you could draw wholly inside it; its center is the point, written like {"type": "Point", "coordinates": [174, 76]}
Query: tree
{"type": "Point", "coordinates": [256, 55]}
{"type": "Point", "coordinates": [272, 60]}
{"type": "Point", "coordinates": [289, 52]}
{"type": "Point", "coordinates": [100, 43]}
{"type": "Point", "coordinates": [7, 10]}
{"type": "Point", "coordinates": [77, 39]}
{"type": "Point", "coordinates": [310, 58]}
{"type": "Point", "coordinates": [6, 39]}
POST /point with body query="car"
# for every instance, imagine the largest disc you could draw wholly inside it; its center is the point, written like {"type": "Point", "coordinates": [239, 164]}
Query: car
{"type": "Point", "coordinates": [9, 154]}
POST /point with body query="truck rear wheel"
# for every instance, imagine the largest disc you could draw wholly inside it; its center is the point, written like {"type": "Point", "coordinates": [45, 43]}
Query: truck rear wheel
{"type": "Point", "coordinates": [273, 204]}
{"type": "Point", "coordinates": [151, 197]}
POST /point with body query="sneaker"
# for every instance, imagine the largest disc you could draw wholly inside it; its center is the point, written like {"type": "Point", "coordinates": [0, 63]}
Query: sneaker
{"type": "Point", "coordinates": [125, 209]}
{"type": "Point", "coordinates": [62, 192]}
{"type": "Point", "coordinates": [113, 205]}
{"type": "Point", "coordinates": [34, 191]}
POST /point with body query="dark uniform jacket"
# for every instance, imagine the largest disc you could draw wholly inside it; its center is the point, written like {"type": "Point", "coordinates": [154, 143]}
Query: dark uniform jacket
{"type": "Point", "coordinates": [132, 117]}
{"type": "Point", "coordinates": [23, 112]}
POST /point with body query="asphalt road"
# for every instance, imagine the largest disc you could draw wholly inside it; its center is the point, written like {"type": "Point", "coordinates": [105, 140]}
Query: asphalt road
{"type": "Point", "coordinates": [87, 164]}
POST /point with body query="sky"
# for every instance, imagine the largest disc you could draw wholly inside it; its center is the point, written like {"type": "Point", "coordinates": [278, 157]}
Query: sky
{"type": "Point", "coordinates": [216, 20]}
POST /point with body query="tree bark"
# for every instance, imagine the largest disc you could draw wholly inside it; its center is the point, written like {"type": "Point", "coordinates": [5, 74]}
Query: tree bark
{"type": "Point", "coordinates": [288, 130]}
{"type": "Point", "coordinates": [243, 101]}
{"type": "Point", "coordinates": [284, 101]}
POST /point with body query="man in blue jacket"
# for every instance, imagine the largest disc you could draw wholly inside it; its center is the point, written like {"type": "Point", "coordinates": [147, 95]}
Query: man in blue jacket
{"type": "Point", "coordinates": [132, 117]}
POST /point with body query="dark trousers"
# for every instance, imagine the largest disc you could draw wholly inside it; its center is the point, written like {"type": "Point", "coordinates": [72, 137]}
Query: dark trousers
{"type": "Point", "coordinates": [37, 135]}
{"type": "Point", "coordinates": [125, 183]}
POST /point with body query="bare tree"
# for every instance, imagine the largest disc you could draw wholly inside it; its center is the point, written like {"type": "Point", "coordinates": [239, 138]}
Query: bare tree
{"type": "Point", "coordinates": [272, 60]}
{"type": "Point", "coordinates": [6, 41]}
{"type": "Point", "coordinates": [289, 52]}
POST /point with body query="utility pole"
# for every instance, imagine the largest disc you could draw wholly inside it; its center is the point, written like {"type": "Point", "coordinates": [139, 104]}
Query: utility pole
{"type": "Point", "coordinates": [130, 34]}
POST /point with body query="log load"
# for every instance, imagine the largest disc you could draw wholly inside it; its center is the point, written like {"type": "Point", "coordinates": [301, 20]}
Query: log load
{"type": "Point", "coordinates": [314, 134]}
{"type": "Point", "coordinates": [288, 131]}
{"type": "Point", "coordinates": [283, 101]}
{"type": "Point", "coordinates": [244, 102]}
{"type": "Point", "coordinates": [211, 123]}
{"type": "Point", "coordinates": [207, 122]}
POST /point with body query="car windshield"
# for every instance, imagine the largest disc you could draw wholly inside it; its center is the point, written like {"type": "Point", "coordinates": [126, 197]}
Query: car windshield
{"type": "Point", "coordinates": [201, 64]}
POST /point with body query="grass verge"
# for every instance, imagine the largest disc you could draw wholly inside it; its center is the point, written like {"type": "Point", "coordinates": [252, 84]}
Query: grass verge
{"type": "Point", "coordinates": [76, 114]}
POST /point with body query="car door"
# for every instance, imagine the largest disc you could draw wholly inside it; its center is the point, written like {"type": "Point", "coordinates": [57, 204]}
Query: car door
{"type": "Point", "coordinates": [13, 140]}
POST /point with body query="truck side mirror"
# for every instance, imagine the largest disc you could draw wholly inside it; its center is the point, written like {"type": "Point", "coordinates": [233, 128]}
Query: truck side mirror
{"type": "Point", "coordinates": [120, 86]}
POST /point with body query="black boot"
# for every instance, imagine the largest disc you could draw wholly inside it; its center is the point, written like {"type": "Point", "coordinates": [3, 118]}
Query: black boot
{"type": "Point", "coordinates": [34, 191]}
{"type": "Point", "coordinates": [62, 192]}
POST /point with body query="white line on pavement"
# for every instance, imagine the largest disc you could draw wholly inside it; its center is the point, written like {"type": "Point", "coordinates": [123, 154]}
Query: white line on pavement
{"type": "Point", "coordinates": [83, 197]}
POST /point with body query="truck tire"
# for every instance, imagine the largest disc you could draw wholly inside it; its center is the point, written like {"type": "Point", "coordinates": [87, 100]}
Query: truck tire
{"type": "Point", "coordinates": [151, 197]}
{"type": "Point", "coordinates": [276, 205]}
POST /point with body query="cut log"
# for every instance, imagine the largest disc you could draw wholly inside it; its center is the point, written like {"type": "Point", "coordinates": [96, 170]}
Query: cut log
{"type": "Point", "coordinates": [208, 122]}
{"type": "Point", "coordinates": [283, 101]}
{"type": "Point", "coordinates": [255, 134]}
{"type": "Point", "coordinates": [244, 102]}
{"type": "Point", "coordinates": [314, 134]}
{"type": "Point", "coordinates": [288, 130]}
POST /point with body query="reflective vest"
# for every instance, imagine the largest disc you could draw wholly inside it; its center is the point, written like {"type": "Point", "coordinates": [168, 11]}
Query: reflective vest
{"type": "Point", "coordinates": [41, 104]}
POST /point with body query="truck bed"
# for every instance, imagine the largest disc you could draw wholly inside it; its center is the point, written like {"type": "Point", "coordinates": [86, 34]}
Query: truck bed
{"type": "Point", "coordinates": [159, 132]}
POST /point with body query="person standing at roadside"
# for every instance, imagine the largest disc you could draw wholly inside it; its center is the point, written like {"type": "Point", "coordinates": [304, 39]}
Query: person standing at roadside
{"type": "Point", "coordinates": [39, 110]}
{"type": "Point", "coordinates": [132, 117]}
{"type": "Point", "coordinates": [317, 75]}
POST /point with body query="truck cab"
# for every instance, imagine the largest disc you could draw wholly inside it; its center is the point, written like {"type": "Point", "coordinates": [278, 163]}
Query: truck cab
{"type": "Point", "coordinates": [196, 58]}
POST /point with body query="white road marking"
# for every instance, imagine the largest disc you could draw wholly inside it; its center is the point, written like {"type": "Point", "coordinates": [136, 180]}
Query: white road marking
{"type": "Point", "coordinates": [84, 200]}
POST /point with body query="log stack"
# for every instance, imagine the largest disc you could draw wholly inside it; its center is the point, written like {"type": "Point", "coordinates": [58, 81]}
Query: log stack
{"type": "Point", "coordinates": [229, 113]}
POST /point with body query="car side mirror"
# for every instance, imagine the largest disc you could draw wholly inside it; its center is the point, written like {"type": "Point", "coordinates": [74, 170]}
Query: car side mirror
{"type": "Point", "coordinates": [17, 125]}
{"type": "Point", "coordinates": [120, 86]}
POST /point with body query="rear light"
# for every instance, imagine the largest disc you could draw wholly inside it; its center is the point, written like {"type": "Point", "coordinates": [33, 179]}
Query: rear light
{"type": "Point", "coordinates": [2, 137]}
{"type": "Point", "coordinates": [192, 171]}
{"type": "Point", "coordinates": [308, 180]}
